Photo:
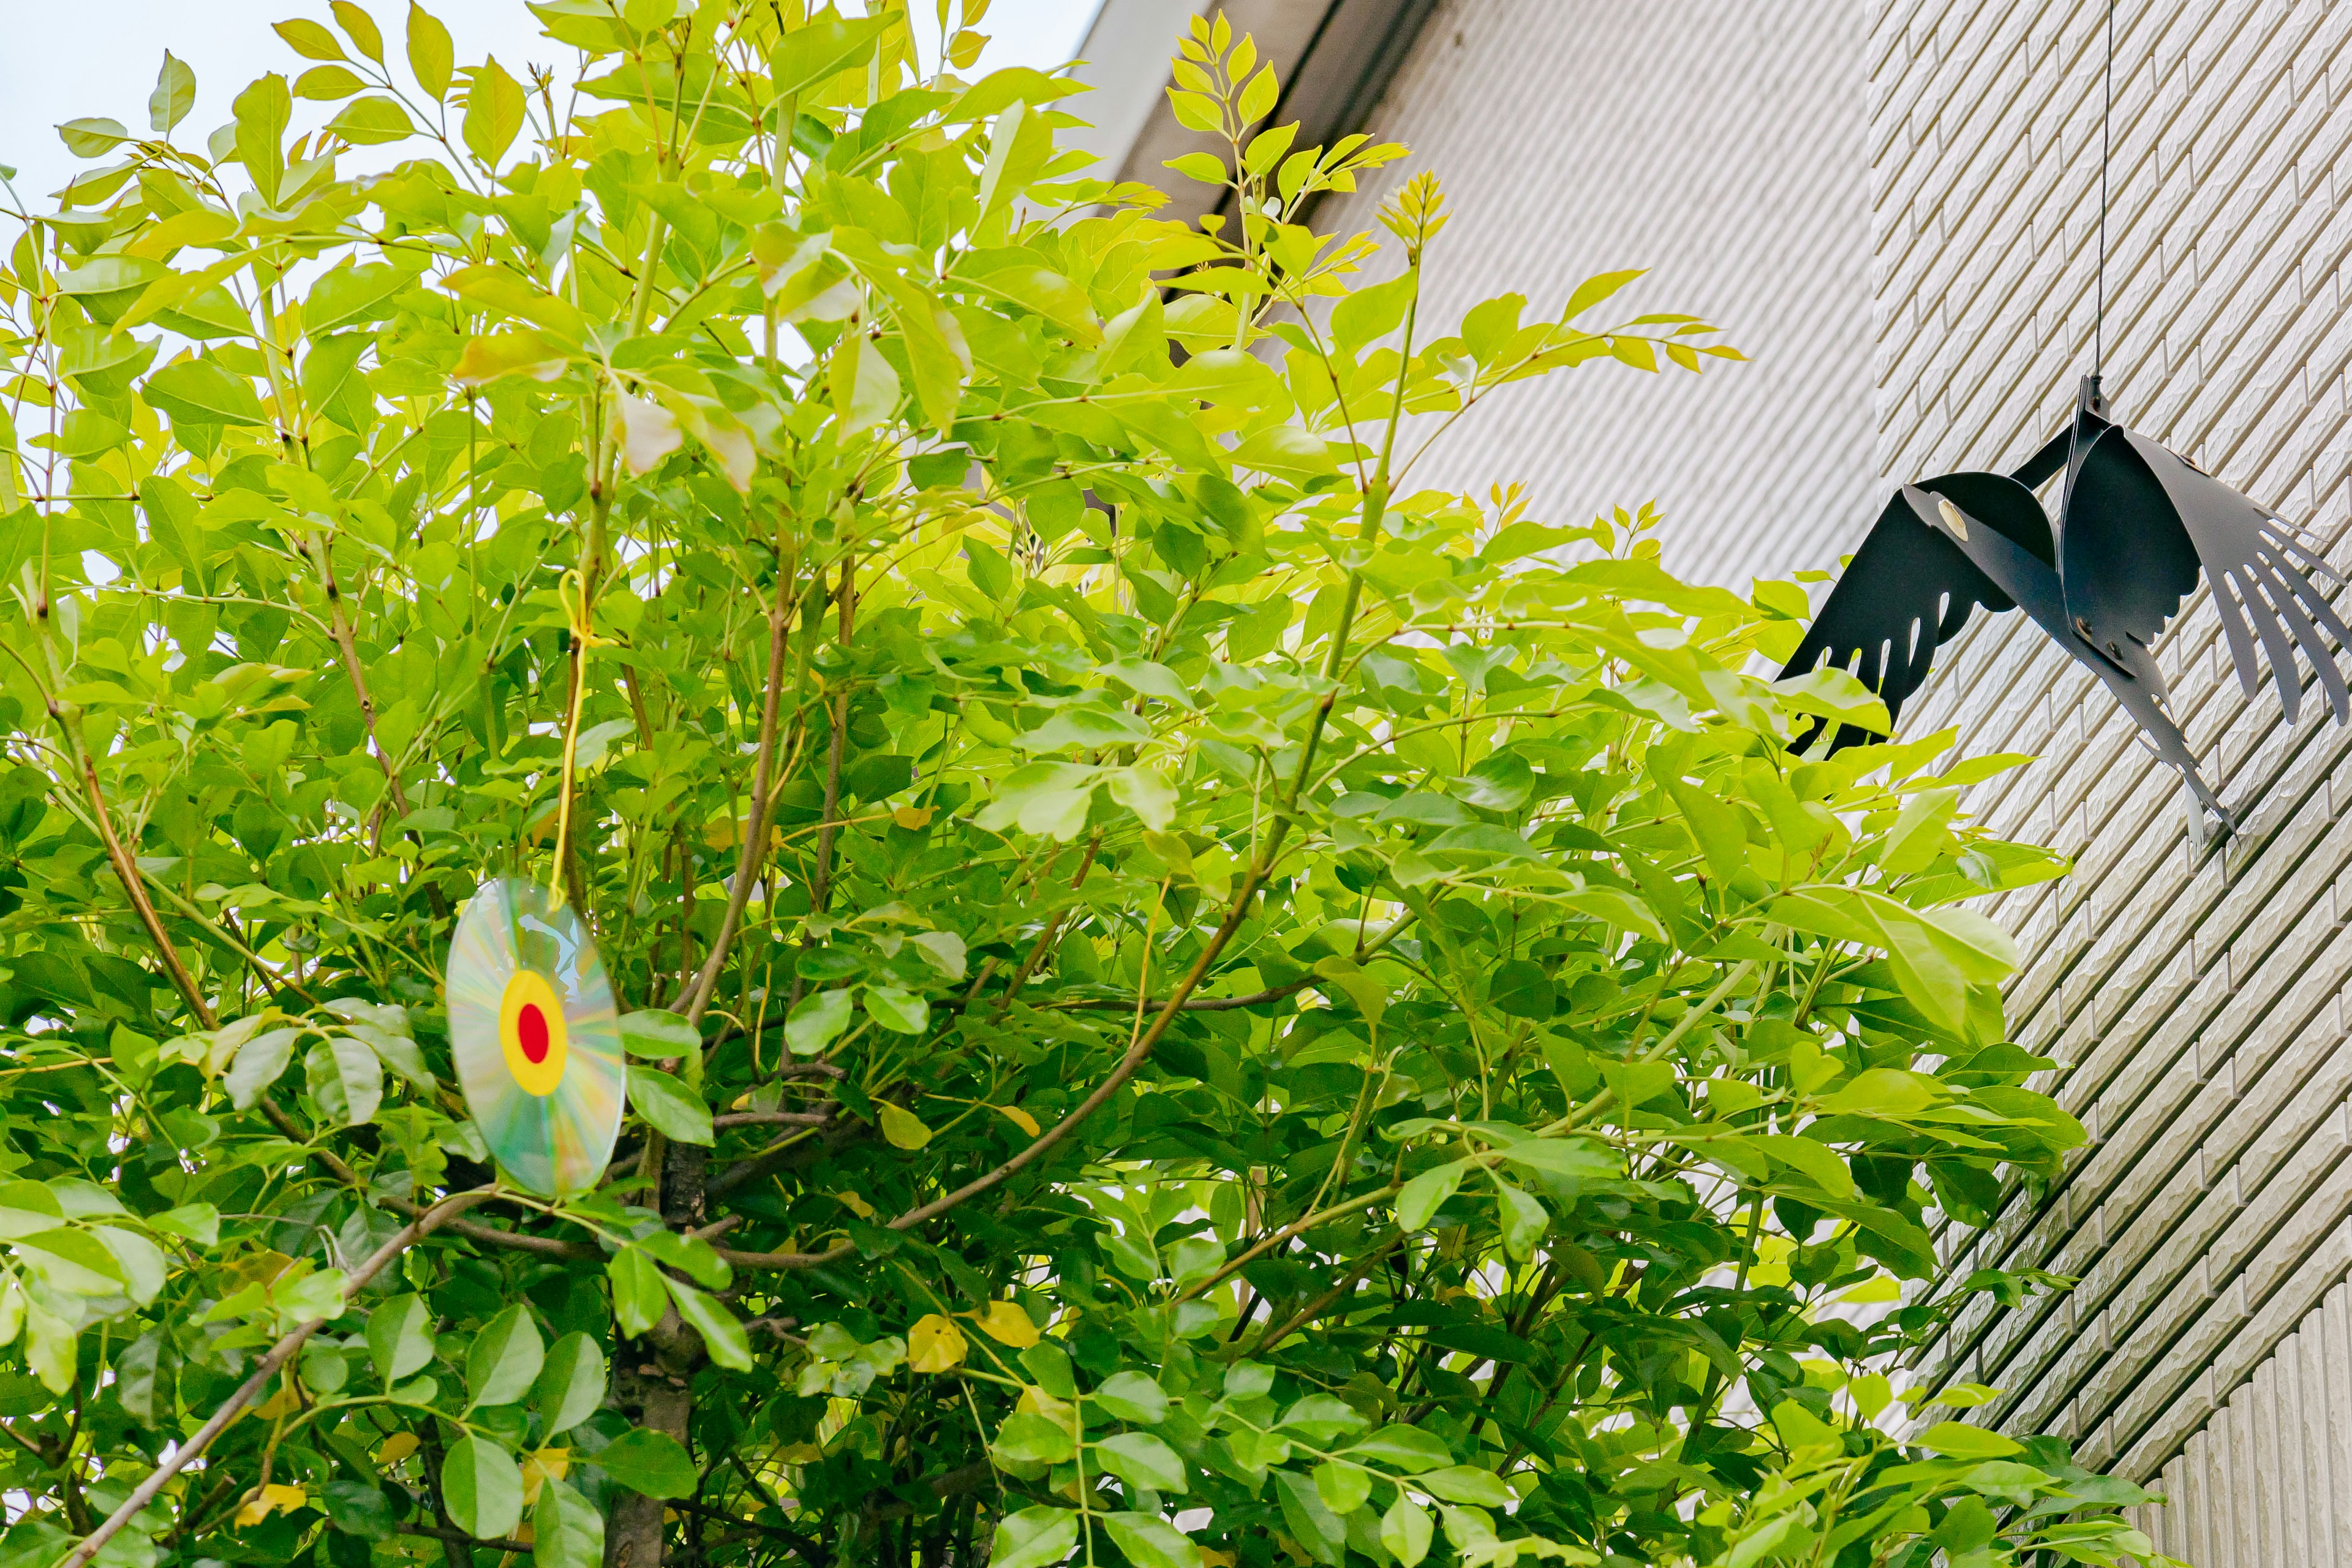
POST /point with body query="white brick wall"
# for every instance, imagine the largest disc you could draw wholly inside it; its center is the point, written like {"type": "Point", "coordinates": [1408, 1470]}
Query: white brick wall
{"type": "Point", "coordinates": [1718, 143]}
{"type": "Point", "coordinates": [2195, 1000]}
{"type": "Point", "coordinates": [1893, 206]}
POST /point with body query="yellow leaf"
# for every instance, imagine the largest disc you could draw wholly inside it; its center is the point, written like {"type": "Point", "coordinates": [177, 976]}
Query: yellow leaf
{"type": "Point", "coordinates": [648, 432]}
{"type": "Point", "coordinates": [855, 1204]}
{"type": "Point", "coordinates": [396, 1448]}
{"type": "Point", "coordinates": [1007, 1324]}
{"type": "Point", "coordinates": [903, 1127]}
{"type": "Point", "coordinates": [531, 353]}
{"type": "Point", "coordinates": [256, 1267]}
{"type": "Point", "coordinates": [934, 1344]}
{"type": "Point", "coordinates": [1213, 1558]}
{"type": "Point", "coordinates": [1036, 1401]}
{"type": "Point", "coordinates": [1018, 1117]}
{"type": "Point", "coordinates": [547, 1465]}
{"type": "Point", "coordinates": [272, 1499]}
{"type": "Point", "coordinates": [285, 1402]}
{"type": "Point", "coordinates": [911, 817]}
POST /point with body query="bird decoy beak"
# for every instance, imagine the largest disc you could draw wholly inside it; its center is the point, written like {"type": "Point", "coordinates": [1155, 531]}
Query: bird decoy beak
{"type": "Point", "coordinates": [1937, 512]}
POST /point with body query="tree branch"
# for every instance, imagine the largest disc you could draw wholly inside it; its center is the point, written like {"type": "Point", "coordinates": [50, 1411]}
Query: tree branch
{"type": "Point", "coordinates": [126, 871]}
{"type": "Point", "coordinates": [697, 997]}
{"type": "Point", "coordinates": [435, 1532]}
{"type": "Point", "coordinates": [279, 1354]}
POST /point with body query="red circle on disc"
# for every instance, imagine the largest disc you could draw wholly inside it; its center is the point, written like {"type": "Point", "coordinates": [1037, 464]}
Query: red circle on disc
{"type": "Point", "coordinates": [531, 1029]}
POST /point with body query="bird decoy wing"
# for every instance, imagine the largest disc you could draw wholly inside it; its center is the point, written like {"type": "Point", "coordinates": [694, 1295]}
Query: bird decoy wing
{"type": "Point", "coordinates": [1909, 590]}
{"type": "Point", "coordinates": [2032, 582]}
{"type": "Point", "coordinates": [2142, 520]}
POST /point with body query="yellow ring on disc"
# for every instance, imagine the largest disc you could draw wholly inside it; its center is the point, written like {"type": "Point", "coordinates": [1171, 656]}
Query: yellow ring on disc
{"type": "Point", "coordinates": [529, 988]}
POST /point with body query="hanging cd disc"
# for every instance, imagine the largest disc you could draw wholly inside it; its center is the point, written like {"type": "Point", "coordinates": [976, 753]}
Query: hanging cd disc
{"type": "Point", "coordinates": [537, 1041]}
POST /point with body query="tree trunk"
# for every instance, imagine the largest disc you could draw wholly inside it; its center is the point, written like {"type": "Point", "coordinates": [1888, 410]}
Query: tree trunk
{"type": "Point", "coordinates": [653, 1376]}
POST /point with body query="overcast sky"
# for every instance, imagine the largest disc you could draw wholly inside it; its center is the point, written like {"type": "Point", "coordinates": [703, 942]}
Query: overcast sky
{"type": "Point", "coordinates": [65, 60]}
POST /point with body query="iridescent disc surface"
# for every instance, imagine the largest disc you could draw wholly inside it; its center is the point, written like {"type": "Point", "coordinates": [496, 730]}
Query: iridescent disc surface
{"type": "Point", "coordinates": [536, 1042]}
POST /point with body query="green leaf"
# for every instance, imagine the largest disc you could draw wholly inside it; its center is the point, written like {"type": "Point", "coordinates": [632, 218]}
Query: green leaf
{"type": "Point", "coordinates": [1026, 1437]}
{"type": "Point", "coordinates": [1882, 1091]}
{"type": "Point", "coordinates": [1594, 289]}
{"type": "Point", "coordinates": [399, 1053]}
{"type": "Point", "coordinates": [175, 94]}
{"type": "Point", "coordinates": [360, 28]}
{"type": "Point", "coordinates": [369, 120]}
{"type": "Point", "coordinates": [1523, 1219]}
{"type": "Point", "coordinates": [138, 1260]}
{"type": "Point", "coordinates": [262, 112]}
{"type": "Point", "coordinates": [199, 1222]}
{"type": "Point", "coordinates": [28, 1208]}
{"type": "Point", "coordinates": [309, 39]}
{"type": "Point", "coordinates": [1370, 314]}
{"type": "Point", "coordinates": [494, 112]}
{"type": "Point", "coordinates": [690, 1255]}
{"type": "Point", "coordinates": [1817, 1162]}
{"type": "Point", "coordinates": [1140, 1460]}
{"type": "Point", "coordinates": [650, 1463]}
{"type": "Point", "coordinates": [1406, 1530]}
{"type": "Point", "coordinates": [1717, 826]}
{"type": "Point", "coordinates": [1133, 1396]}
{"type": "Point", "coordinates": [1958, 1440]}
{"type": "Point", "coordinates": [668, 1106]}
{"type": "Point", "coordinates": [1564, 1157]}
{"type": "Point", "coordinates": [1834, 693]}
{"type": "Point", "coordinates": [1466, 1483]}
{"type": "Point", "coordinates": [259, 1062]}
{"type": "Point", "coordinates": [1042, 797]}
{"type": "Point", "coordinates": [353, 293]}
{"type": "Point", "coordinates": [824, 46]}
{"type": "Point", "coordinates": [482, 1489]}
{"type": "Point", "coordinates": [327, 84]}
{"type": "Point", "coordinates": [201, 391]}
{"type": "Point", "coordinates": [430, 54]}
{"type": "Point", "coordinates": [566, 1531]}
{"type": "Point", "coordinates": [1150, 1541]}
{"type": "Point", "coordinates": [1425, 1194]}
{"type": "Point", "coordinates": [896, 1009]}
{"type": "Point", "coordinates": [504, 1359]}
{"type": "Point", "coordinates": [1148, 793]}
{"type": "Point", "coordinates": [1919, 833]}
{"type": "Point", "coordinates": [659, 1034]}
{"type": "Point", "coordinates": [360, 1509]}
{"type": "Point", "coordinates": [345, 1078]}
{"type": "Point", "coordinates": [818, 1021]}
{"type": "Point", "coordinates": [1312, 1521]}
{"type": "Point", "coordinates": [72, 1262]}
{"type": "Point", "coordinates": [728, 1345]}
{"type": "Point", "coordinates": [1258, 96]}
{"type": "Point", "coordinates": [1406, 1448]}
{"type": "Point", "coordinates": [1033, 1538]}
{"type": "Point", "coordinates": [400, 1337]}
{"type": "Point", "coordinates": [640, 1295]}
{"type": "Point", "coordinates": [571, 1385]}
{"type": "Point", "coordinates": [93, 138]}
{"type": "Point", "coordinates": [1206, 167]}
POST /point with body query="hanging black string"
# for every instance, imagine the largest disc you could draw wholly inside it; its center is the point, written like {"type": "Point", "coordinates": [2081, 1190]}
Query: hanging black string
{"type": "Point", "coordinates": [2107, 119]}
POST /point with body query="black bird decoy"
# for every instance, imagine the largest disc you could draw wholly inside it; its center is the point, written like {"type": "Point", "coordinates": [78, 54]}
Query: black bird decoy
{"type": "Point", "coordinates": [2136, 524]}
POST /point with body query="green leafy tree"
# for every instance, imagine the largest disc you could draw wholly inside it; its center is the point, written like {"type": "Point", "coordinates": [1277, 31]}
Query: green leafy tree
{"type": "Point", "coordinates": [1192, 1002]}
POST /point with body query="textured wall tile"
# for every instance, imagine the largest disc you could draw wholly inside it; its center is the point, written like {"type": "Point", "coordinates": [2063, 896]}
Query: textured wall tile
{"type": "Point", "coordinates": [2200, 1008]}
{"type": "Point", "coordinates": [1578, 136]}
{"type": "Point", "coordinates": [1894, 206]}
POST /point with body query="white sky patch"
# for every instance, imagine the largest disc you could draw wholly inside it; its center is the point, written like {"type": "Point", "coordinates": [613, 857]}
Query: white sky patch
{"type": "Point", "coordinates": [98, 57]}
